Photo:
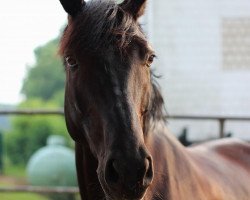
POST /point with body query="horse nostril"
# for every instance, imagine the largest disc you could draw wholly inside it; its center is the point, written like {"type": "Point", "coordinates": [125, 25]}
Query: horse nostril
{"type": "Point", "coordinates": [149, 171]}
{"type": "Point", "coordinates": [111, 174]}
{"type": "Point", "coordinates": [142, 170]}
{"type": "Point", "coordinates": [145, 173]}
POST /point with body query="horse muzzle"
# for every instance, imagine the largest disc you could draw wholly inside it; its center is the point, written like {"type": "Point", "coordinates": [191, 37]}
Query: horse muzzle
{"type": "Point", "coordinates": [128, 178]}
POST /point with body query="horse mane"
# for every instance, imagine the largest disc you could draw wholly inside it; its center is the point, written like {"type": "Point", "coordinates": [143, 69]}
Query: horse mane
{"type": "Point", "coordinates": [100, 24]}
{"type": "Point", "coordinates": [156, 110]}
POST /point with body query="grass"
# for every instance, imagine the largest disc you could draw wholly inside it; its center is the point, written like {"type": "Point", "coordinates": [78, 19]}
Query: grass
{"type": "Point", "coordinates": [21, 196]}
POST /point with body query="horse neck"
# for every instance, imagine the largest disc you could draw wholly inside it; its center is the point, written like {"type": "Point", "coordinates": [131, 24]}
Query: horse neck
{"type": "Point", "coordinates": [173, 166]}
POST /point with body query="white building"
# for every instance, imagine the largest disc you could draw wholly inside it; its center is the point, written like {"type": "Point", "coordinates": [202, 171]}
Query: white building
{"type": "Point", "coordinates": [203, 50]}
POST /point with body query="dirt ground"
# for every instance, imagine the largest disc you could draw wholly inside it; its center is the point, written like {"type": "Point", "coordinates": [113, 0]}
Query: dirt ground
{"type": "Point", "coordinates": [6, 180]}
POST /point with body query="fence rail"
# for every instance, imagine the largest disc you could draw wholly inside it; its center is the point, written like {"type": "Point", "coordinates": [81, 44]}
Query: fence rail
{"type": "Point", "coordinates": [41, 190]}
{"type": "Point", "coordinates": [32, 112]}
{"type": "Point", "coordinates": [220, 119]}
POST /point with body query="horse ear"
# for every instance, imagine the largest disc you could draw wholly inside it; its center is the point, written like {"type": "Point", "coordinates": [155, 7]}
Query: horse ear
{"type": "Point", "coordinates": [72, 7]}
{"type": "Point", "coordinates": [134, 7]}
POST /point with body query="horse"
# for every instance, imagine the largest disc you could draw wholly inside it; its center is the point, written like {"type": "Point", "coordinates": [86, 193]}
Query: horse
{"type": "Point", "coordinates": [114, 112]}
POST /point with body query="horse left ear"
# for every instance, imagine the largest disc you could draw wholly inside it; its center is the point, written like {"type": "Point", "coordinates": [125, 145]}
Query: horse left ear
{"type": "Point", "coordinates": [134, 7]}
{"type": "Point", "coordinates": [72, 7]}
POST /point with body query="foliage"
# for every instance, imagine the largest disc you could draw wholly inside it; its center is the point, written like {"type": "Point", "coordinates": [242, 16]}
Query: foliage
{"type": "Point", "coordinates": [46, 77]}
{"type": "Point", "coordinates": [30, 133]}
{"type": "Point", "coordinates": [17, 171]}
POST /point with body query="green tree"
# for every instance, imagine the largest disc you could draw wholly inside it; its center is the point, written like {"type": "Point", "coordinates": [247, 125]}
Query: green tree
{"type": "Point", "coordinates": [30, 133]}
{"type": "Point", "coordinates": [43, 87]}
{"type": "Point", "coordinates": [45, 79]}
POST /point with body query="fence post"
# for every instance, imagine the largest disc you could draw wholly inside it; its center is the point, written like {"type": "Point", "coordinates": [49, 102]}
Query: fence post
{"type": "Point", "coordinates": [1, 153]}
{"type": "Point", "coordinates": [222, 124]}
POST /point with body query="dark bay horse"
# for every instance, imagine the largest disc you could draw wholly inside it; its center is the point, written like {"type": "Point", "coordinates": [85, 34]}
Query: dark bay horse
{"type": "Point", "coordinates": [114, 112]}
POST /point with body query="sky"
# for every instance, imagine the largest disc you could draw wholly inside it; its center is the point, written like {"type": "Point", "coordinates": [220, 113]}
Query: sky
{"type": "Point", "coordinates": [24, 25]}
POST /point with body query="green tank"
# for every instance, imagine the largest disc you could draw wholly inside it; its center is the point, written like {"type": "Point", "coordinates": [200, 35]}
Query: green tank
{"type": "Point", "coordinates": [52, 165]}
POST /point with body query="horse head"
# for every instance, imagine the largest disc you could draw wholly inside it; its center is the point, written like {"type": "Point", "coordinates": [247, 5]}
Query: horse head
{"type": "Point", "coordinates": [109, 91]}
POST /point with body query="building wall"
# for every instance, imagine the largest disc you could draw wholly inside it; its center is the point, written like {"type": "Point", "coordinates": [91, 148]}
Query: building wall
{"type": "Point", "coordinates": [189, 39]}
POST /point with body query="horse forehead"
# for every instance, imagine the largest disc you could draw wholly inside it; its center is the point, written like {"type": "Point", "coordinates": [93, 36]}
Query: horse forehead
{"type": "Point", "coordinates": [106, 72]}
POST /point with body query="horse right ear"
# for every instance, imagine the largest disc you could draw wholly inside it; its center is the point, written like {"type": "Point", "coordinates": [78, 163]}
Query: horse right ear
{"type": "Point", "coordinates": [72, 7]}
{"type": "Point", "coordinates": [135, 7]}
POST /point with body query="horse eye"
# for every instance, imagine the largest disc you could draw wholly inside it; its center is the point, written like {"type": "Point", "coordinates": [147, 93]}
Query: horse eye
{"type": "Point", "coordinates": [150, 60]}
{"type": "Point", "coordinates": [71, 62]}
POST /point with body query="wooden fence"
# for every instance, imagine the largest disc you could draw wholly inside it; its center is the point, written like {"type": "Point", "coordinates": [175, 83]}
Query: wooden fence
{"type": "Point", "coordinates": [220, 119]}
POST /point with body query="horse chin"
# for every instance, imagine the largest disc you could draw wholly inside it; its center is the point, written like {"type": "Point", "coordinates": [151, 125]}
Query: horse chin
{"type": "Point", "coordinates": [123, 196]}
{"type": "Point", "coordinates": [119, 195]}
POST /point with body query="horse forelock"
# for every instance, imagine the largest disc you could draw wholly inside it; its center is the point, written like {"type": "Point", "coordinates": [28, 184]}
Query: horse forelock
{"type": "Point", "coordinates": [99, 25]}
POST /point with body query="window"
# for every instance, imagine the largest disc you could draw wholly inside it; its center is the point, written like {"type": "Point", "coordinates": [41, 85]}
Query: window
{"type": "Point", "coordinates": [236, 43]}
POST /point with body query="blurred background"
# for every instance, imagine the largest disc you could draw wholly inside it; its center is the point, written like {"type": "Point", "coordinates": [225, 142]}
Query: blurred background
{"type": "Point", "coordinates": [203, 58]}
{"type": "Point", "coordinates": [203, 50]}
